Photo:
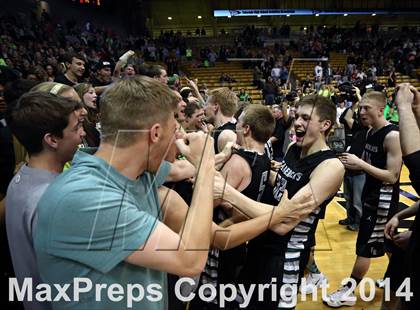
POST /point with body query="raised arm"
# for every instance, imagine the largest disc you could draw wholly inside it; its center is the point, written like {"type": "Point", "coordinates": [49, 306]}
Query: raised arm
{"type": "Point", "coordinates": [121, 62]}
{"type": "Point", "coordinates": [180, 170]}
{"type": "Point", "coordinates": [407, 99]}
{"type": "Point", "coordinates": [185, 253]}
{"type": "Point", "coordinates": [195, 90]}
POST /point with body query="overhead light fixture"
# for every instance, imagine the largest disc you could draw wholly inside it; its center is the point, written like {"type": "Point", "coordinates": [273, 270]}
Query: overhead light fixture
{"type": "Point", "coordinates": [169, 17]}
{"type": "Point", "coordinates": [345, 14]}
{"type": "Point", "coordinates": [373, 14]}
{"type": "Point", "coordinates": [316, 15]}
{"type": "Point", "coordinates": [199, 17]}
{"type": "Point", "coordinates": [288, 15]}
{"type": "Point", "coordinates": [259, 15]}
{"type": "Point", "coordinates": [229, 16]}
{"type": "Point", "coordinates": [325, 26]}
{"type": "Point", "coordinates": [305, 28]}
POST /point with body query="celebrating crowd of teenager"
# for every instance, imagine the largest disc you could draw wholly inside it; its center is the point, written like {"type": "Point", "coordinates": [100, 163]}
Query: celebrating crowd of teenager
{"type": "Point", "coordinates": [130, 177]}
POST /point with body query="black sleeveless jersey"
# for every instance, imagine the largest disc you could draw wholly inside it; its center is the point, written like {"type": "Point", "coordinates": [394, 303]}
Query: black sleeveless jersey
{"type": "Point", "coordinates": [376, 191]}
{"type": "Point", "coordinates": [222, 266]}
{"type": "Point", "coordinates": [293, 175]}
{"type": "Point", "coordinates": [260, 168]}
{"type": "Point", "coordinates": [218, 131]}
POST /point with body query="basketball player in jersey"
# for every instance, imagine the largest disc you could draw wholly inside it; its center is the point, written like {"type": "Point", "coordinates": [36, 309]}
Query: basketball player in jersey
{"type": "Point", "coordinates": [279, 253]}
{"type": "Point", "coordinates": [381, 161]}
{"type": "Point", "coordinates": [219, 109]}
{"type": "Point", "coordinates": [247, 171]}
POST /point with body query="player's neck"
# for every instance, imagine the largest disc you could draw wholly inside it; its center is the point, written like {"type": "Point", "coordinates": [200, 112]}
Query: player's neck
{"type": "Point", "coordinates": [221, 120]}
{"type": "Point", "coordinates": [253, 146]}
{"type": "Point", "coordinates": [318, 145]}
{"type": "Point", "coordinates": [381, 122]}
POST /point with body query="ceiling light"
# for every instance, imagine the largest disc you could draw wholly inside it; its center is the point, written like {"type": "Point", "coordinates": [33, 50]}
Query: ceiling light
{"type": "Point", "coordinates": [345, 14]}
{"type": "Point", "coordinates": [259, 15]}
{"type": "Point", "coordinates": [199, 17]}
{"type": "Point", "coordinates": [316, 15]}
{"type": "Point", "coordinates": [169, 17]}
{"type": "Point", "coordinates": [288, 15]}
{"type": "Point", "coordinates": [374, 14]}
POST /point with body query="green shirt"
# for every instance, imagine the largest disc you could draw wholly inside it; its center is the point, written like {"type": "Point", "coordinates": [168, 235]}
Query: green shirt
{"type": "Point", "coordinates": [89, 220]}
{"type": "Point", "coordinates": [393, 116]}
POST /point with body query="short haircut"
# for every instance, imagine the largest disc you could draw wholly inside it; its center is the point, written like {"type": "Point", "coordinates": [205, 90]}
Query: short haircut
{"type": "Point", "coordinates": [53, 88]}
{"type": "Point", "coordinates": [37, 114]}
{"type": "Point", "coordinates": [134, 104]}
{"type": "Point", "coordinates": [226, 99]}
{"type": "Point", "coordinates": [260, 120]}
{"type": "Point", "coordinates": [376, 96]}
{"type": "Point", "coordinates": [191, 108]}
{"type": "Point", "coordinates": [323, 107]}
{"type": "Point", "coordinates": [68, 57]}
{"type": "Point", "coordinates": [155, 71]}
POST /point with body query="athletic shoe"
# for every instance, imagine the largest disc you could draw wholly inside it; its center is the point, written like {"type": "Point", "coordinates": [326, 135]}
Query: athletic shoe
{"type": "Point", "coordinates": [380, 283]}
{"type": "Point", "coordinates": [338, 299]}
{"type": "Point", "coordinates": [313, 282]}
{"type": "Point", "coordinates": [344, 222]}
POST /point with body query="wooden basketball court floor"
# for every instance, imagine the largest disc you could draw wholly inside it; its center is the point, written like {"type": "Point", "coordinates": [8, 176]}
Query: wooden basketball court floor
{"type": "Point", "coordinates": [335, 250]}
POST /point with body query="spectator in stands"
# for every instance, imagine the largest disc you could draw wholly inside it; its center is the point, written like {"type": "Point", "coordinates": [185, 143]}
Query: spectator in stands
{"type": "Point", "coordinates": [92, 122]}
{"type": "Point", "coordinates": [328, 74]}
{"type": "Point", "coordinates": [284, 74]}
{"type": "Point", "coordinates": [392, 78]}
{"type": "Point", "coordinates": [269, 91]}
{"type": "Point", "coordinates": [158, 73]}
{"type": "Point", "coordinates": [224, 77]}
{"type": "Point", "coordinates": [257, 77]}
{"type": "Point", "coordinates": [188, 53]}
{"type": "Point", "coordinates": [50, 72]}
{"type": "Point", "coordinates": [212, 56]}
{"type": "Point", "coordinates": [75, 68]}
{"type": "Point", "coordinates": [307, 83]}
{"type": "Point", "coordinates": [243, 95]}
{"type": "Point", "coordinates": [275, 72]}
{"type": "Point", "coordinates": [174, 82]}
{"type": "Point", "coordinates": [103, 76]}
{"type": "Point", "coordinates": [122, 64]}
{"type": "Point", "coordinates": [283, 122]}
{"type": "Point", "coordinates": [318, 72]}
{"type": "Point", "coordinates": [391, 110]}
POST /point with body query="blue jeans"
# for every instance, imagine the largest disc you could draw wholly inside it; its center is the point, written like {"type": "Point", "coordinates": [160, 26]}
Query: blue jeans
{"type": "Point", "coordinates": [353, 187]}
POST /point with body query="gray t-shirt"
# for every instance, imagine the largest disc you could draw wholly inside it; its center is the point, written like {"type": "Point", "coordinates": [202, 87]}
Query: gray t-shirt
{"type": "Point", "coordinates": [23, 194]}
